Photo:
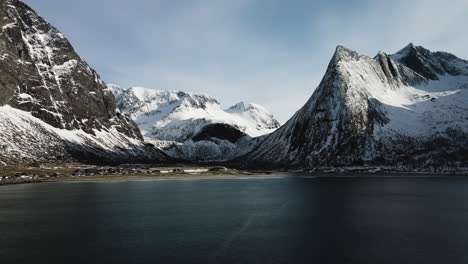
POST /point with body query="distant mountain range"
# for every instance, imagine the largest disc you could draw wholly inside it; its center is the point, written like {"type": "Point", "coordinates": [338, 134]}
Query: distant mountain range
{"type": "Point", "coordinates": [178, 115]}
{"type": "Point", "coordinates": [406, 110]}
{"type": "Point", "coordinates": [194, 126]}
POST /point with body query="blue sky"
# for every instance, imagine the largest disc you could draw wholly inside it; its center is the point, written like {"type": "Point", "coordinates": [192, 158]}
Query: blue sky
{"type": "Point", "coordinates": [271, 52]}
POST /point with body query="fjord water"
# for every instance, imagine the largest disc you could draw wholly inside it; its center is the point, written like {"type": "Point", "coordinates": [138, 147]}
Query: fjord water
{"type": "Point", "coordinates": [264, 220]}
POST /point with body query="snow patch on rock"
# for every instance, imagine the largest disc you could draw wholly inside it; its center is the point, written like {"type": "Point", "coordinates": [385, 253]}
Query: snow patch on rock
{"type": "Point", "coordinates": [25, 137]}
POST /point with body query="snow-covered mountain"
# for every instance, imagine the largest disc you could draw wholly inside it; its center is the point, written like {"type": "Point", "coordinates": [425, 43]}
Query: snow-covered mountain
{"type": "Point", "coordinates": [408, 109]}
{"type": "Point", "coordinates": [53, 106]}
{"type": "Point", "coordinates": [258, 117]}
{"type": "Point", "coordinates": [198, 121]}
{"type": "Point", "coordinates": [178, 116]}
{"type": "Point", "coordinates": [25, 138]}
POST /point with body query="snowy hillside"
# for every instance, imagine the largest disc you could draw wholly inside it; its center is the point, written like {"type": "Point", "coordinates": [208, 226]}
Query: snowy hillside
{"type": "Point", "coordinates": [24, 137]}
{"type": "Point", "coordinates": [196, 124]}
{"type": "Point", "coordinates": [256, 115]}
{"type": "Point", "coordinates": [407, 109]}
{"type": "Point", "coordinates": [178, 116]}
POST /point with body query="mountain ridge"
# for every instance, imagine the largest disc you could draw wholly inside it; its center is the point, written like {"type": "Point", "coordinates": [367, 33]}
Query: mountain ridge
{"type": "Point", "coordinates": [365, 108]}
{"type": "Point", "coordinates": [194, 126]}
{"type": "Point", "coordinates": [45, 84]}
{"type": "Point", "coordinates": [406, 109]}
{"type": "Point", "coordinates": [159, 113]}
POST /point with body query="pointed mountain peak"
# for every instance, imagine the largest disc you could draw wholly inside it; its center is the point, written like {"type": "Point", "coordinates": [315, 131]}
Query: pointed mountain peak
{"type": "Point", "coordinates": [243, 107]}
{"type": "Point", "coordinates": [409, 46]}
{"type": "Point", "coordinates": [341, 51]}
{"type": "Point", "coordinates": [420, 60]}
{"type": "Point", "coordinates": [341, 48]}
{"type": "Point", "coordinates": [413, 50]}
{"type": "Point", "coordinates": [344, 54]}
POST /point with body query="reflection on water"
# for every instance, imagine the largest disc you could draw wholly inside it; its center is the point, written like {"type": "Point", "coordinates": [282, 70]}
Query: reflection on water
{"type": "Point", "coordinates": [275, 220]}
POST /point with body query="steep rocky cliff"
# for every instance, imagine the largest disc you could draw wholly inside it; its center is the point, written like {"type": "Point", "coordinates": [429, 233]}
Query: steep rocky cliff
{"type": "Point", "coordinates": [408, 110]}
{"type": "Point", "coordinates": [43, 77]}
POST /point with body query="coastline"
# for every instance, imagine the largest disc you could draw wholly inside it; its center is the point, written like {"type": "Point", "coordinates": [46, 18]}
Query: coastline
{"type": "Point", "coordinates": [166, 178]}
{"type": "Point", "coordinates": [229, 174]}
{"type": "Point", "coordinates": [112, 174]}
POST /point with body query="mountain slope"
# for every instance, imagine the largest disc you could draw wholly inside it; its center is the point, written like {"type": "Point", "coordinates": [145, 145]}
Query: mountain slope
{"type": "Point", "coordinates": [42, 76]}
{"type": "Point", "coordinates": [257, 115]}
{"type": "Point", "coordinates": [407, 109]}
{"type": "Point", "coordinates": [197, 126]}
{"type": "Point", "coordinates": [25, 138]}
{"type": "Point", "coordinates": [178, 116]}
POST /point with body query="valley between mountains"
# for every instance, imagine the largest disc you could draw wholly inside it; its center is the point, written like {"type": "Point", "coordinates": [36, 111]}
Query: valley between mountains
{"type": "Point", "coordinates": [403, 111]}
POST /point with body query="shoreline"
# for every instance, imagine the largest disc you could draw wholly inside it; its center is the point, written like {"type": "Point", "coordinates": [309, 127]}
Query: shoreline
{"type": "Point", "coordinates": [231, 175]}
{"type": "Point", "coordinates": [168, 178]}
{"type": "Point", "coordinates": [116, 174]}
{"type": "Point", "coordinates": [259, 176]}
{"type": "Point", "coordinates": [11, 175]}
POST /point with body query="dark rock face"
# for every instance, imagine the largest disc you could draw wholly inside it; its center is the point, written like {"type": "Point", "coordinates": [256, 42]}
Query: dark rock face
{"type": "Point", "coordinates": [41, 73]}
{"type": "Point", "coordinates": [67, 112]}
{"type": "Point", "coordinates": [430, 64]}
{"type": "Point", "coordinates": [219, 131]}
{"type": "Point", "coordinates": [417, 60]}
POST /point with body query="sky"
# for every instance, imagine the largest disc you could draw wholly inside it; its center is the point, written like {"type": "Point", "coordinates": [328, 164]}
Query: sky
{"type": "Point", "coordinates": [270, 52]}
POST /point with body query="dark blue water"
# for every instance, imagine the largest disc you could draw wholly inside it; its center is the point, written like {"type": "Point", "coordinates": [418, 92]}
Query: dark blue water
{"type": "Point", "coordinates": [282, 220]}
